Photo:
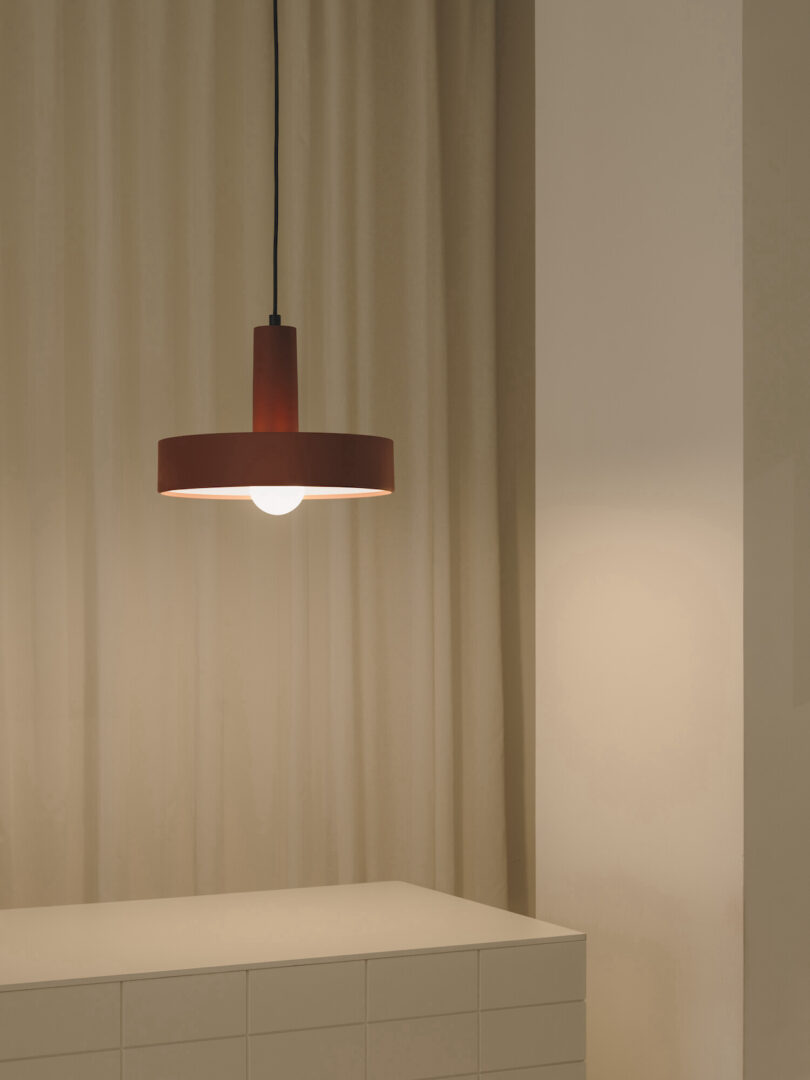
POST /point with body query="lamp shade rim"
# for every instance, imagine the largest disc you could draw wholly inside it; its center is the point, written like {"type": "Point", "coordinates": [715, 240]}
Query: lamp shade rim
{"type": "Point", "coordinates": [225, 464]}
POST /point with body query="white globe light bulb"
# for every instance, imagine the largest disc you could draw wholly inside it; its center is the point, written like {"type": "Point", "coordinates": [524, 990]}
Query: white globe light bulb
{"type": "Point", "coordinates": [277, 500]}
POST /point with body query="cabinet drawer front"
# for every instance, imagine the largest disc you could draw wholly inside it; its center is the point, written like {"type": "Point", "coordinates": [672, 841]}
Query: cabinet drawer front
{"type": "Point", "coordinates": [537, 1035]}
{"type": "Point", "coordinates": [429, 985]}
{"type": "Point", "coordinates": [59, 1020]}
{"type": "Point", "coordinates": [212, 1059]}
{"type": "Point", "coordinates": [337, 1053]}
{"type": "Point", "coordinates": [104, 1065]}
{"type": "Point", "coordinates": [573, 1071]}
{"type": "Point", "coordinates": [184, 1007]}
{"type": "Point", "coordinates": [307, 996]}
{"type": "Point", "coordinates": [532, 974]}
{"type": "Point", "coordinates": [425, 1048]}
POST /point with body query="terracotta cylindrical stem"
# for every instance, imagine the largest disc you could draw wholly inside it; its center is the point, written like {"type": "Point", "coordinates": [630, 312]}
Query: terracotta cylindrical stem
{"type": "Point", "coordinates": [275, 379]}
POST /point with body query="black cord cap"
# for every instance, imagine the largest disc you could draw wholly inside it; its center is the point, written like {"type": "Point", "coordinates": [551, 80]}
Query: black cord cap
{"type": "Point", "coordinates": [275, 320]}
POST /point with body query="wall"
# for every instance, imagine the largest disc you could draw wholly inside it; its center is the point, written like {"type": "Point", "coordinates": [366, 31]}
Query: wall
{"type": "Point", "coordinates": [639, 522]}
{"type": "Point", "coordinates": [777, 539]}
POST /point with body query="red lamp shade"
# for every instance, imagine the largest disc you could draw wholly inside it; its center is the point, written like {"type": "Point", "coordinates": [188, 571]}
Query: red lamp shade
{"type": "Point", "coordinates": [275, 455]}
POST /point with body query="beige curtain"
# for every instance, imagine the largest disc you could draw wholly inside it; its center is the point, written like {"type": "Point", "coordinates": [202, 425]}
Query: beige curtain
{"type": "Point", "coordinates": [195, 697]}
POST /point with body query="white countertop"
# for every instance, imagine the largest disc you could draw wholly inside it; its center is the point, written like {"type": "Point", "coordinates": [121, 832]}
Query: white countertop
{"type": "Point", "coordinates": [78, 942]}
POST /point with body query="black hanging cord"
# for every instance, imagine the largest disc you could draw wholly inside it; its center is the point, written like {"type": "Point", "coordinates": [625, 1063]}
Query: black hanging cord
{"type": "Point", "coordinates": [275, 318]}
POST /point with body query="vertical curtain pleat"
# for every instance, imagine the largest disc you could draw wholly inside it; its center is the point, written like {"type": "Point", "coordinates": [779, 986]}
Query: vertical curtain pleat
{"type": "Point", "coordinates": [193, 697]}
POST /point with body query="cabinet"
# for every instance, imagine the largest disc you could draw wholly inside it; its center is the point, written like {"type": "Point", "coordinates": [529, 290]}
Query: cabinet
{"type": "Point", "coordinates": [382, 981]}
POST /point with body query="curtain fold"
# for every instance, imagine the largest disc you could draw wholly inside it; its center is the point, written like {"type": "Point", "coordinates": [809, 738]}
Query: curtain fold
{"type": "Point", "coordinates": [193, 697]}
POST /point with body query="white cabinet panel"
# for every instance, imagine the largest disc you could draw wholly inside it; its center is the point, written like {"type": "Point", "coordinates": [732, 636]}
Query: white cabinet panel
{"type": "Point", "coordinates": [429, 985]}
{"type": "Point", "coordinates": [336, 1053]}
{"type": "Point", "coordinates": [425, 1048]}
{"type": "Point", "coordinates": [59, 1020]}
{"type": "Point", "coordinates": [532, 974]}
{"type": "Point", "coordinates": [103, 1065]}
{"type": "Point", "coordinates": [573, 1071]}
{"type": "Point", "coordinates": [307, 996]}
{"type": "Point", "coordinates": [212, 1059]}
{"type": "Point", "coordinates": [183, 1008]}
{"type": "Point", "coordinates": [537, 1035]}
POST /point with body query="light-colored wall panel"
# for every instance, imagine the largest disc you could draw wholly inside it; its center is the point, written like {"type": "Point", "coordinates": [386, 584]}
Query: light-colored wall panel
{"type": "Point", "coordinates": [776, 52]}
{"type": "Point", "coordinates": [212, 1059]}
{"type": "Point", "coordinates": [104, 1065]}
{"type": "Point", "coordinates": [404, 986]}
{"type": "Point", "coordinates": [536, 1035]}
{"type": "Point", "coordinates": [337, 1053]}
{"type": "Point", "coordinates": [532, 974]}
{"type": "Point", "coordinates": [420, 1049]}
{"type": "Point", "coordinates": [639, 522]}
{"type": "Point", "coordinates": [185, 1007]}
{"type": "Point", "coordinates": [59, 1020]}
{"type": "Point", "coordinates": [306, 996]}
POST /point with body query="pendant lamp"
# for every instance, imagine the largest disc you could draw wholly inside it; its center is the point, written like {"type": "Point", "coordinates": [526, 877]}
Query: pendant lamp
{"type": "Point", "coordinates": [275, 464]}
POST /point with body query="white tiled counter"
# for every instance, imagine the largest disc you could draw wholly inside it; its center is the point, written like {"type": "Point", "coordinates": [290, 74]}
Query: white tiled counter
{"type": "Point", "coordinates": [384, 981]}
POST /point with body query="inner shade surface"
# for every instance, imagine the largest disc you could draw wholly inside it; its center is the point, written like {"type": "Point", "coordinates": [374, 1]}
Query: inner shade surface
{"type": "Point", "coordinates": [243, 492]}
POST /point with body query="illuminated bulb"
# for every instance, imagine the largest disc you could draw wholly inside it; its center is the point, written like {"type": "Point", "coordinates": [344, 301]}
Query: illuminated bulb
{"type": "Point", "coordinates": [277, 500]}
